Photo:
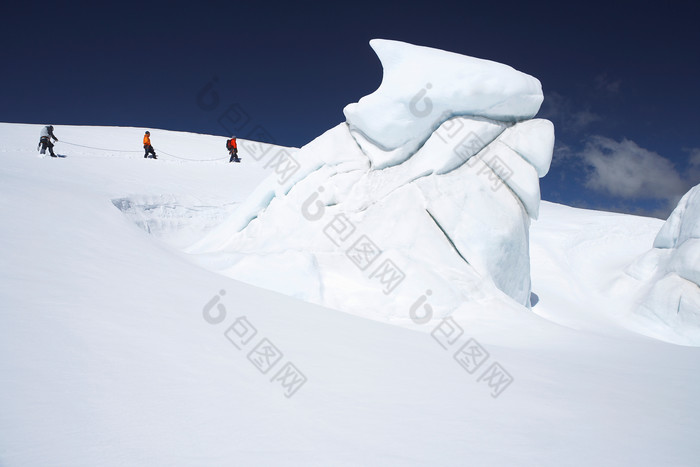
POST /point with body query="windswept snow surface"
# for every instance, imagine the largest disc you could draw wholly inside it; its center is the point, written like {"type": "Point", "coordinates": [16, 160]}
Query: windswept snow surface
{"type": "Point", "coordinates": [106, 358]}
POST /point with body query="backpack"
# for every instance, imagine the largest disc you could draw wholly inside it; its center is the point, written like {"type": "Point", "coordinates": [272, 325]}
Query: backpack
{"type": "Point", "coordinates": [228, 144]}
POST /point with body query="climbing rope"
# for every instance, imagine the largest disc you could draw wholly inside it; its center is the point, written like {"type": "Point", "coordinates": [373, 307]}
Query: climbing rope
{"type": "Point", "coordinates": [99, 149]}
{"type": "Point", "coordinates": [160, 151]}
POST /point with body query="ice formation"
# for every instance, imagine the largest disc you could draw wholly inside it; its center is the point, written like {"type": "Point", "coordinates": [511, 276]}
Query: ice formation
{"type": "Point", "coordinates": [428, 188]}
{"type": "Point", "coordinates": [672, 269]}
{"type": "Point", "coordinates": [422, 87]}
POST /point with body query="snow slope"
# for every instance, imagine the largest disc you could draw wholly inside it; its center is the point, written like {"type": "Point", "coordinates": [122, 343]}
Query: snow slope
{"type": "Point", "coordinates": [106, 358]}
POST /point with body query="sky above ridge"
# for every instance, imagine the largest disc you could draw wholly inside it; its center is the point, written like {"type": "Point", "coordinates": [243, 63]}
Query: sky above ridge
{"type": "Point", "coordinates": [620, 79]}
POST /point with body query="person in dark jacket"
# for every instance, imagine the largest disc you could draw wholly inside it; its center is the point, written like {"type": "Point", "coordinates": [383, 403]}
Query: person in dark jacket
{"type": "Point", "coordinates": [45, 140]}
{"type": "Point", "coordinates": [147, 146]}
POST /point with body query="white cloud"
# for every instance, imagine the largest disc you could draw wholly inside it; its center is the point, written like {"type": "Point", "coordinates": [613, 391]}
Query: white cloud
{"type": "Point", "coordinates": [693, 171]}
{"type": "Point", "coordinates": [602, 82]}
{"type": "Point", "coordinates": [626, 170]}
{"type": "Point", "coordinates": [583, 118]}
{"type": "Point", "coordinates": [565, 115]}
{"type": "Point", "coordinates": [694, 157]}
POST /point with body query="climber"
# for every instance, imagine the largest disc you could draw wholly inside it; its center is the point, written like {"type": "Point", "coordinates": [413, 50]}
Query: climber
{"type": "Point", "coordinates": [147, 146]}
{"type": "Point", "coordinates": [45, 140]}
{"type": "Point", "coordinates": [232, 147]}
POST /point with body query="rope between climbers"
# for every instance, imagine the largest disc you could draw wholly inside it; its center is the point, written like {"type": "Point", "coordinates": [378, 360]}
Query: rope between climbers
{"type": "Point", "coordinates": [136, 152]}
{"type": "Point", "coordinates": [99, 149]}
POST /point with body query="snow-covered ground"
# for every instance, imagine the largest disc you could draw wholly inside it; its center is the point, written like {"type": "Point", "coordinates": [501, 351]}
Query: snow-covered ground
{"type": "Point", "coordinates": [116, 348]}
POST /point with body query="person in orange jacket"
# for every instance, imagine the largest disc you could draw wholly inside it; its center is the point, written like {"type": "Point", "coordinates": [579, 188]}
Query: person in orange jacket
{"type": "Point", "coordinates": [147, 146]}
{"type": "Point", "coordinates": [232, 147]}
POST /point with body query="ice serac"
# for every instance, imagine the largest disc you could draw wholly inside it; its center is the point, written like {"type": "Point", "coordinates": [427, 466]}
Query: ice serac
{"type": "Point", "coordinates": [422, 87]}
{"type": "Point", "coordinates": [425, 190]}
{"type": "Point", "coordinates": [672, 271]}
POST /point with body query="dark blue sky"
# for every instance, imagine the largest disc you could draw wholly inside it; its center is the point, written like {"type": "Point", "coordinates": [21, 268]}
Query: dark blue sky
{"type": "Point", "coordinates": [621, 79]}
